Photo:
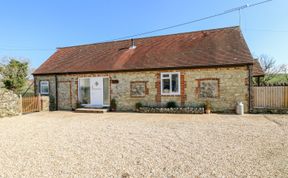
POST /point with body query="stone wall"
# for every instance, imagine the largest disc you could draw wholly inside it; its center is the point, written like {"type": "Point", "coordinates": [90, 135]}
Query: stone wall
{"type": "Point", "coordinates": [231, 88]}
{"type": "Point", "coordinates": [9, 103]}
{"type": "Point", "coordinates": [52, 89]}
{"type": "Point", "coordinates": [45, 103]}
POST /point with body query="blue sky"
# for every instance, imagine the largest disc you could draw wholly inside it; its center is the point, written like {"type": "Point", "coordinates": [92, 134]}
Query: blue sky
{"type": "Point", "coordinates": [33, 29]}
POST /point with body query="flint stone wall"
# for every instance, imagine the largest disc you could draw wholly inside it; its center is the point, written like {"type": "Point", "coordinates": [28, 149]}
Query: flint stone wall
{"type": "Point", "coordinates": [233, 87]}
{"type": "Point", "coordinates": [9, 103]}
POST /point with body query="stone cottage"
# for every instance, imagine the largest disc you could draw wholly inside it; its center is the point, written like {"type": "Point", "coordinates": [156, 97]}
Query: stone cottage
{"type": "Point", "coordinates": [188, 68]}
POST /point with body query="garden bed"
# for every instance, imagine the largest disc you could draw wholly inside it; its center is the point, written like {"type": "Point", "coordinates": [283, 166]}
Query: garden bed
{"type": "Point", "coordinates": [179, 110]}
{"type": "Point", "coordinates": [270, 111]}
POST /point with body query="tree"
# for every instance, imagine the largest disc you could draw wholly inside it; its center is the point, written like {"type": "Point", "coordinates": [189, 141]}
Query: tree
{"type": "Point", "coordinates": [270, 68]}
{"type": "Point", "coordinates": [267, 63]}
{"type": "Point", "coordinates": [285, 71]}
{"type": "Point", "coordinates": [14, 75]}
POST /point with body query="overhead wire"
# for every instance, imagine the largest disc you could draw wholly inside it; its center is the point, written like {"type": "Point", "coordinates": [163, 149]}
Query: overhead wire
{"type": "Point", "coordinates": [156, 30]}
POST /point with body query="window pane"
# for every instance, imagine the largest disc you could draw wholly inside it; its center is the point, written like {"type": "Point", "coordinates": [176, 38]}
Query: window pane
{"type": "Point", "coordinates": [106, 91]}
{"type": "Point", "coordinates": [175, 83]}
{"type": "Point", "coordinates": [45, 89]}
{"type": "Point", "coordinates": [84, 96]}
{"type": "Point", "coordinates": [165, 85]}
{"type": "Point", "coordinates": [165, 75]}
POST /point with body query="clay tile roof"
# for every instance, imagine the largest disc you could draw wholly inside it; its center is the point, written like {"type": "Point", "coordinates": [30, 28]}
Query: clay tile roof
{"type": "Point", "coordinates": [218, 47]}
{"type": "Point", "coordinates": [257, 69]}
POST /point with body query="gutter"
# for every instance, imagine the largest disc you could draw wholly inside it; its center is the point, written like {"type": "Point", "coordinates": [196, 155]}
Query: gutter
{"type": "Point", "coordinates": [250, 88]}
{"type": "Point", "coordinates": [56, 92]}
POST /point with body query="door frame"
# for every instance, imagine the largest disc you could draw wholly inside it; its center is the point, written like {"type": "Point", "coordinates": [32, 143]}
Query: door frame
{"type": "Point", "coordinates": [78, 98]}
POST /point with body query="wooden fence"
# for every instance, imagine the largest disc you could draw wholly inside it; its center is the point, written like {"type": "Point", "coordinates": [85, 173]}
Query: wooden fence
{"type": "Point", "coordinates": [271, 97]}
{"type": "Point", "coordinates": [31, 104]}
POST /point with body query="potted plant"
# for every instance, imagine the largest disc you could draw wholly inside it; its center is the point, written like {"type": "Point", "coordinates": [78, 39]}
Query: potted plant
{"type": "Point", "coordinates": [113, 105]}
{"type": "Point", "coordinates": [138, 105]}
{"type": "Point", "coordinates": [207, 107]}
{"type": "Point", "coordinates": [79, 105]}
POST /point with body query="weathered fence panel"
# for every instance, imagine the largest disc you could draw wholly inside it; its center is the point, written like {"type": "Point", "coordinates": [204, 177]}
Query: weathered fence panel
{"type": "Point", "coordinates": [271, 97]}
{"type": "Point", "coordinates": [31, 104]}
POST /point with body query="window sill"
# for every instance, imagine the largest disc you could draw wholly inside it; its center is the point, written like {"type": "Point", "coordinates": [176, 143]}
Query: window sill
{"type": "Point", "coordinates": [174, 95]}
{"type": "Point", "coordinates": [46, 94]}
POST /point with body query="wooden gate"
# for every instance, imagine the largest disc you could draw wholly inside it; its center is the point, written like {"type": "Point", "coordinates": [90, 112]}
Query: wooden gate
{"type": "Point", "coordinates": [31, 104]}
{"type": "Point", "coordinates": [271, 97]}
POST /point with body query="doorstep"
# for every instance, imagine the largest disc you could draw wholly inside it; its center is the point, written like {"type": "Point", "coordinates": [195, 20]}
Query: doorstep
{"type": "Point", "coordinates": [91, 110]}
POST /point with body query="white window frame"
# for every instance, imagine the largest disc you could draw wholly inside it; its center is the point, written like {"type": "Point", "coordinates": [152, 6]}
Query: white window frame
{"type": "Point", "coordinates": [44, 83]}
{"type": "Point", "coordinates": [170, 77]}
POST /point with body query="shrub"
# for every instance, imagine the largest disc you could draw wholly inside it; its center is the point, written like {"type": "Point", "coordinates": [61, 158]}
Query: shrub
{"type": "Point", "coordinates": [207, 105]}
{"type": "Point", "coordinates": [171, 104]}
{"type": "Point", "coordinates": [138, 105]}
{"type": "Point", "coordinates": [14, 75]}
{"type": "Point", "coordinates": [113, 105]}
{"type": "Point", "coordinates": [52, 104]}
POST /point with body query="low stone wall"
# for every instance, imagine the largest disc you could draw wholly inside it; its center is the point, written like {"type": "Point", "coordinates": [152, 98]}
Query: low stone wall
{"type": "Point", "coordinates": [9, 103]}
{"type": "Point", "coordinates": [181, 110]}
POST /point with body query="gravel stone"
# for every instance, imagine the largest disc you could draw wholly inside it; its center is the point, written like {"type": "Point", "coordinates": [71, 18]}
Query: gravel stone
{"type": "Point", "coordinates": [67, 144]}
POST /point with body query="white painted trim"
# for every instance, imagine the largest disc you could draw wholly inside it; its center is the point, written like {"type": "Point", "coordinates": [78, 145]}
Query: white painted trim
{"type": "Point", "coordinates": [90, 89]}
{"type": "Point", "coordinates": [79, 88]}
{"type": "Point", "coordinates": [170, 74]}
{"type": "Point", "coordinates": [105, 105]}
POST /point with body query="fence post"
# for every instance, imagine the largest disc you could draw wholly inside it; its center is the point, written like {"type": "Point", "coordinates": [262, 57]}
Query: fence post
{"type": "Point", "coordinates": [39, 102]}
{"type": "Point", "coordinates": [20, 105]}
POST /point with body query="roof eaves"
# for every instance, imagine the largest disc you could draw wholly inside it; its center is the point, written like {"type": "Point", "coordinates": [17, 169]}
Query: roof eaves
{"type": "Point", "coordinates": [146, 69]}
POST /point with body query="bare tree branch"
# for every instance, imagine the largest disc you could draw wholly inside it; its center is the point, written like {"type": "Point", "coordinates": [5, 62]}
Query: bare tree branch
{"type": "Point", "coordinates": [270, 68]}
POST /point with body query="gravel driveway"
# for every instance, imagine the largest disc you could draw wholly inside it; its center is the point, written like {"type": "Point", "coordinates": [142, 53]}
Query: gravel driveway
{"type": "Point", "coordinates": [67, 144]}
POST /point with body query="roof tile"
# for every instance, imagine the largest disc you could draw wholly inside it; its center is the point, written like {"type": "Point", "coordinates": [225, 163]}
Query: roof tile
{"type": "Point", "coordinates": [216, 47]}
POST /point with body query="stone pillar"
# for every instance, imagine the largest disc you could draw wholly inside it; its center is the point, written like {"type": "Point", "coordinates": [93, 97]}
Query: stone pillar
{"type": "Point", "coordinates": [182, 88]}
{"type": "Point", "coordinates": [45, 103]}
{"type": "Point", "coordinates": [158, 88]}
{"type": "Point", "coordinates": [20, 105]}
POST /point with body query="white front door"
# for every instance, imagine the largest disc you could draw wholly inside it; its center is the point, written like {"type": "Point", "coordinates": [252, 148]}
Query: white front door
{"type": "Point", "coordinates": [96, 85]}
